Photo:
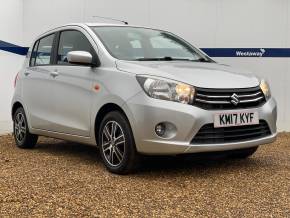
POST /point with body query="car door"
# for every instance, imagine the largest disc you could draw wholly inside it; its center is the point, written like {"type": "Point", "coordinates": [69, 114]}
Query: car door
{"type": "Point", "coordinates": [36, 84]}
{"type": "Point", "coordinates": [72, 86]}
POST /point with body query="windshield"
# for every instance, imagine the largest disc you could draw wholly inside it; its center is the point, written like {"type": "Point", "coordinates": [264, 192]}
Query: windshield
{"type": "Point", "coordinates": [141, 44]}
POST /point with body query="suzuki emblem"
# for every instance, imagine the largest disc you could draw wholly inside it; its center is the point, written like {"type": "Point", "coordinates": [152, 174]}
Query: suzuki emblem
{"type": "Point", "coordinates": [235, 99]}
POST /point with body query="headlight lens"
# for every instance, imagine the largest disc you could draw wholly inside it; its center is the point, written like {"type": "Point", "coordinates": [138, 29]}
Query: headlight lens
{"type": "Point", "coordinates": [265, 89]}
{"type": "Point", "coordinates": [167, 90]}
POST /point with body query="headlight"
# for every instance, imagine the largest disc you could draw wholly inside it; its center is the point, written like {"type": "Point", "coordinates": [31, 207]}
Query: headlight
{"type": "Point", "coordinates": [167, 89]}
{"type": "Point", "coordinates": [265, 89]}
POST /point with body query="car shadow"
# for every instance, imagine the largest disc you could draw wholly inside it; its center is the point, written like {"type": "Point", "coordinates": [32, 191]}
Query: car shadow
{"type": "Point", "coordinates": [70, 150]}
{"type": "Point", "coordinates": [196, 163]}
{"type": "Point", "coordinates": [199, 163]}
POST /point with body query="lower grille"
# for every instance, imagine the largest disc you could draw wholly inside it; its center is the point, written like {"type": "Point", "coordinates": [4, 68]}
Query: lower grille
{"type": "Point", "coordinates": [210, 135]}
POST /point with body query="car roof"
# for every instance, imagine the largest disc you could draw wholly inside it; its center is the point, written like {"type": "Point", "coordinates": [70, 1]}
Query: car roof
{"type": "Point", "coordinates": [95, 25]}
{"type": "Point", "coordinates": [105, 24]}
{"type": "Point", "coordinates": [88, 25]}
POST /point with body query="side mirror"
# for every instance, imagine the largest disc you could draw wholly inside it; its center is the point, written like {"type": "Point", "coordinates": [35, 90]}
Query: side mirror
{"type": "Point", "coordinates": [80, 57]}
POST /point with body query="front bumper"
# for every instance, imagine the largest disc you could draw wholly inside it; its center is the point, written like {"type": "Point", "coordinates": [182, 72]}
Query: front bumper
{"type": "Point", "coordinates": [146, 113]}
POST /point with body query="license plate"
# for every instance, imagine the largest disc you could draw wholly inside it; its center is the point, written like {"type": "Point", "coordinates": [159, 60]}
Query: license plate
{"type": "Point", "coordinates": [240, 118]}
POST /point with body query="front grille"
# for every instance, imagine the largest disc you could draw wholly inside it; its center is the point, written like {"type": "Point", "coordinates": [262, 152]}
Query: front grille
{"type": "Point", "coordinates": [218, 99]}
{"type": "Point", "coordinates": [210, 135]}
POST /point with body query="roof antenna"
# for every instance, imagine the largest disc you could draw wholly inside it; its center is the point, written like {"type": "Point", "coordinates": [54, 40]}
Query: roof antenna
{"type": "Point", "coordinates": [109, 18]}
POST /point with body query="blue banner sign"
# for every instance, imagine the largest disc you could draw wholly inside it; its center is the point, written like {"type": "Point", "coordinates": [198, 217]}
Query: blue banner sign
{"type": "Point", "coordinates": [248, 52]}
{"type": "Point", "coordinates": [213, 52]}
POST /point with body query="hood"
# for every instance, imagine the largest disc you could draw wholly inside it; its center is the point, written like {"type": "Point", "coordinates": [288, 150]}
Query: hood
{"type": "Point", "coordinates": [199, 74]}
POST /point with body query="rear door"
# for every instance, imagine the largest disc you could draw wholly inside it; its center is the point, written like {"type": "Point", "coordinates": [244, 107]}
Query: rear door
{"type": "Point", "coordinates": [72, 86]}
{"type": "Point", "coordinates": [37, 92]}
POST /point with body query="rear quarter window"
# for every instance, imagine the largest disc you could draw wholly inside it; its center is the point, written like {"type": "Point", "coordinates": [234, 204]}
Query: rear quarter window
{"type": "Point", "coordinates": [42, 51]}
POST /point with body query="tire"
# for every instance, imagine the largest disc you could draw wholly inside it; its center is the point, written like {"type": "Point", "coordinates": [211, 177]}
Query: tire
{"type": "Point", "coordinates": [22, 136]}
{"type": "Point", "coordinates": [243, 153]}
{"type": "Point", "coordinates": [116, 144]}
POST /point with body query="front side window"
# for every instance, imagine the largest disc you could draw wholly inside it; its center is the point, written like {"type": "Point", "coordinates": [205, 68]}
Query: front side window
{"type": "Point", "coordinates": [72, 40]}
{"type": "Point", "coordinates": [134, 43]}
{"type": "Point", "coordinates": [42, 54]}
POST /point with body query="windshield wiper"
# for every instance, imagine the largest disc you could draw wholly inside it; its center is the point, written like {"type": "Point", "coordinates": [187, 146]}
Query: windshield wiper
{"type": "Point", "coordinates": [203, 60]}
{"type": "Point", "coordinates": [167, 58]}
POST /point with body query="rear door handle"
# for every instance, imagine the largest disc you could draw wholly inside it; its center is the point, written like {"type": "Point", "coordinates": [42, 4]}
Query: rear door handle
{"type": "Point", "coordinates": [54, 74]}
{"type": "Point", "coordinates": [26, 73]}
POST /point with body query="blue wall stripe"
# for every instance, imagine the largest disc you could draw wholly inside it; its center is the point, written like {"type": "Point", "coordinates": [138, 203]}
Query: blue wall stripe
{"type": "Point", "coordinates": [16, 49]}
{"type": "Point", "coordinates": [213, 52]}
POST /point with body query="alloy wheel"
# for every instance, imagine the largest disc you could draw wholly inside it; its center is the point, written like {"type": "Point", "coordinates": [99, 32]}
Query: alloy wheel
{"type": "Point", "coordinates": [20, 127]}
{"type": "Point", "coordinates": [113, 143]}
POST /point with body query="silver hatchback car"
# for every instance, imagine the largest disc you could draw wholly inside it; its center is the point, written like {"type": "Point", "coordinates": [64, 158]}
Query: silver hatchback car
{"type": "Point", "coordinates": [132, 91]}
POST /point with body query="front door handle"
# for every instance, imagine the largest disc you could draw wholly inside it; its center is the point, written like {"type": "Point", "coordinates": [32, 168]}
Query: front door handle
{"type": "Point", "coordinates": [54, 74]}
{"type": "Point", "coordinates": [26, 73]}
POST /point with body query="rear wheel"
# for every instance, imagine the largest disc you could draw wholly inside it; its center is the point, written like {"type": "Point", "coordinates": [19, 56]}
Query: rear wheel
{"type": "Point", "coordinates": [116, 144]}
{"type": "Point", "coordinates": [243, 153]}
{"type": "Point", "coordinates": [22, 136]}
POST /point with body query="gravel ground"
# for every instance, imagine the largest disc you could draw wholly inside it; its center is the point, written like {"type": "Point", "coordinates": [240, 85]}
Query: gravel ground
{"type": "Point", "coordinates": [65, 179]}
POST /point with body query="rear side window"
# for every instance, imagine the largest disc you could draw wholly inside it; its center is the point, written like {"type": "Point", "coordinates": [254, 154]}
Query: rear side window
{"type": "Point", "coordinates": [72, 40]}
{"type": "Point", "coordinates": [42, 51]}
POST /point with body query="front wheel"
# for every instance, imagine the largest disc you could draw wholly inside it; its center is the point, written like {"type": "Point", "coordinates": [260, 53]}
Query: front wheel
{"type": "Point", "coordinates": [116, 144]}
{"type": "Point", "coordinates": [22, 136]}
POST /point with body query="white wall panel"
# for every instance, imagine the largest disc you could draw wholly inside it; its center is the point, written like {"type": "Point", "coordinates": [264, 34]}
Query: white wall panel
{"type": "Point", "coordinates": [195, 21]}
{"type": "Point", "coordinates": [206, 23]}
{"type": "Point", "coordinates": [286, 111]}
{"type": "Point", "coordinates": [11, 30]}
{"type": "Point", "coordinates": [42, 15]}
{"type": "Point", "coordinates": [9, 67]}
{"type": "Point", "coordinates": [11, 20]}
{"type": "Point", "coordinates": [133, 11]}
{"type": "Point", "coordinates": [248, 23]}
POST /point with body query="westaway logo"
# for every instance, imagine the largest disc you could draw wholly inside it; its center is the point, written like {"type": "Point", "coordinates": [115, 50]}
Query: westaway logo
{"type": "Point", "coordinates": [258, 53]}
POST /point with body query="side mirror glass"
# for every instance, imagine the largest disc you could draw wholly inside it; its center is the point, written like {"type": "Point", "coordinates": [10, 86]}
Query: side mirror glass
{"type": "Point", "coordinates": [80, 57]}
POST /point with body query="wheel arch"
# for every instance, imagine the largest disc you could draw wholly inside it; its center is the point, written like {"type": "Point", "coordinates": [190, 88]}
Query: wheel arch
{"type": "Point", "coordinates": [105, 109]}
{"type": "Point", "coordinates": [15, 106]}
